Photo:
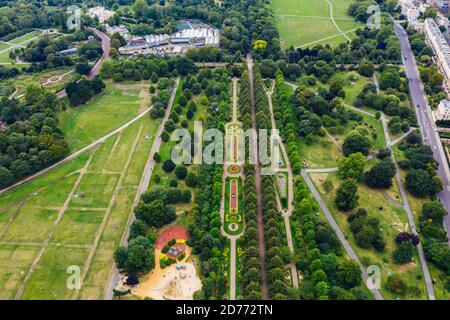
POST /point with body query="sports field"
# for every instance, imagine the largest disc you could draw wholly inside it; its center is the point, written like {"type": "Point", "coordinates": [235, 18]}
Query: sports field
{"type": "Point", "coordinates": [304, 23]}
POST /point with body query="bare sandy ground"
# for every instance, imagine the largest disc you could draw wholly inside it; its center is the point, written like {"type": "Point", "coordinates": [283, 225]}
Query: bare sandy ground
{"type": "Point", "coordinates": [170, 283]}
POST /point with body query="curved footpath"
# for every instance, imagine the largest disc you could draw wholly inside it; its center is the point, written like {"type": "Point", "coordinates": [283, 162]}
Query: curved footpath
{"type": "Point", "coordinates": [286, 213]}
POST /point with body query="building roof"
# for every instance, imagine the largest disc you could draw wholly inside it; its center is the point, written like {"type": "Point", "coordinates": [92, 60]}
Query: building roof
{"type": "Point", "coordinates": [439, 39]}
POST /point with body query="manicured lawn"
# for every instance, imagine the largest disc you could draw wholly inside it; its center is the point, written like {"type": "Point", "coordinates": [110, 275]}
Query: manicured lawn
{"type": "Point", "coordinates": [107, 111]}
{"type": "Point", "coordinates": [392, 221]}
{"type": "Point", "coordinates": [78, 227]}
{"type": "Point", "coordinates": [320, 153]}
{"type": "Point", "coordinates": [308, 22]}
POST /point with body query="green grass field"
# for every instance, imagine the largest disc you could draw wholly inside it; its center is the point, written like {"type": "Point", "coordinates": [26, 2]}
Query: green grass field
{"type": "Point", "coordinates": [392, 220]}
{"type": "Point", "coordinates": [25, 37]}
{"type": "Point", "coordinates": [99, 189]}
{"type": "Point", "coordinates": [308, 22]}
{"type": "Point", "coordinates": [107, 111]}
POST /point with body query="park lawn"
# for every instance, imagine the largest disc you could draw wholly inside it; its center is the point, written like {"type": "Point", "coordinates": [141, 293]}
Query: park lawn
{"type": "Point", "coordinates": [25, 37]}
{"type": "Point", "coordinates": [78, 227]}
{"type": "Point", "coordinates": [49, 198]}
{"type": "Point", "coordinates": [392, 221]}
{"type": "Point", "coordinates": [352, 89]}
{"type": "Point", "coordinates": [94, 191]}
{"type": "Point", "coordinates": [343, 131]}
{"type": "Point", "coordinates": [4, 58]}
{"type": "Point", "coordinates": [308, 22]}
{"type": "Point", "coordinates": [320, 153]}
{"type": "Point", "coordinates": [41, 221]}
{"type": "Point", "coordinates": [49, 281]}
{"type": "Point", "coordinates": [46, 180]}
{"type": "Point", "coordinates": [15, 261]}
{"type": "Point", "coordinates": [3, 46]}
{"type": "Point", "coordinates": [118, 104]}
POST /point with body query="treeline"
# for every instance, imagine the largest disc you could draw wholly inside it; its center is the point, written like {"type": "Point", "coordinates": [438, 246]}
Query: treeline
{"type": "Point", "coordinates": [435, 239]}
{"type": "Point", "coordinates": [26, 15]}
{"type": "Point", "coordinates": [251, 262]}
{"type": "Point", "coordinates": [421, 179]}
{"type": "Point", "coordinates": [141, 68]}
{"type": "Point", "coordinates": [286, 121]}
{"type": "Point", "coordinates": [328, 274]}
{"type": "Point", "coordinates": [205, 223]}
{"type": "Point", "coordinates": [32, 139]}
{"type": "Point", "coordinates": [273, 224]}
{"type": "Point", "coordinates": [429, 72]}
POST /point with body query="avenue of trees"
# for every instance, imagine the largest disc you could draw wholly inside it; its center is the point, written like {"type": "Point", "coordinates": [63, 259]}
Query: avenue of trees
{"type": "Point", "coordinates": [273, 223]}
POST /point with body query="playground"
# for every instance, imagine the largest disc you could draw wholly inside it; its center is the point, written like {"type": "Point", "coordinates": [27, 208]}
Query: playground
{"type": "Point", "coordinates": [177, 281]}
{"type": "Point", "coordinates": [173, 232]}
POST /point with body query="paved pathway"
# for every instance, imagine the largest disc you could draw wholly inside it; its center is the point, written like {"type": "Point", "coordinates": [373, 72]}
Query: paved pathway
{"type": "Point", "coordinates": [351, 253]}
{"type": "Point", "coordinates": [407, 208]}
{"type": "Point", "coordinates": [285, 212]}
{"type": "Point", "coordinates": [226, 174]}
{"type": "Point", "coordinates": [77, 153]}
{"type": "Point", "coordinates": [334, 21]}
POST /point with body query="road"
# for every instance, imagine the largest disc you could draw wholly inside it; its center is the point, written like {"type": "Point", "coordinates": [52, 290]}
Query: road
{"type": "Point", "coordinates": [425, 119]}
{"type": "Point", "coordinates": [259, 216]}
{"type": "Point", "coordinates": [106, 46]}
{"type": "Point", "coordinates": [143, 186]}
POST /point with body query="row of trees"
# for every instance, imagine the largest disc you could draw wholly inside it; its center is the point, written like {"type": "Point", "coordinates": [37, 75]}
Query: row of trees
{"type": "Point", "coordinates": [286, 121]}
{"type": "Point", "coordinates": [274, 235]}
{"type": "Point", "coordinates": [251, 262]}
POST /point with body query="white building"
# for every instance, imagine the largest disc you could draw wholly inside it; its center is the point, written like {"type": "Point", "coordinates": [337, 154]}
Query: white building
{"type": "Point", "coordinates": [443, 110]}
{"type": "Point", "coordinates": [412, 9]}
{"type": "Point", "coordinates": [440, 47]}
{"type": "Point", "coordinates": [122, 30]}
{"type": "Point", "coordinates": [177, 43]}
{"type": "Point", "coordinates": [101, 13]}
